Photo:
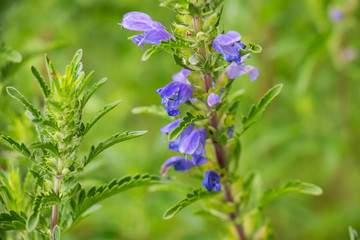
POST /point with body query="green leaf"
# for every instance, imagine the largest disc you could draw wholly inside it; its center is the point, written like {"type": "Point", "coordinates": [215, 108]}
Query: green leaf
{"type": "Point", "coordinates": [190, 198]}
{"type": "Point", "coordinates": [187, 120]}
{"type": "Point", "coordinates": [353, 234]}
{"type": "Point", "coordinates": [91, 91]}
{"type": "Point", "coordinates": [99, 193]}
{"type": "Point", "coordinates": [290, 186]}
{"type": "Point", "coordinates": [117, 138]}
{"type": "Point", "coordinates": [13, 92]}
{"type": "Point", "coordinates": [168, 46]}
{"type": "Point", "coordinates": [100, 114]}
{"type": "Point", "coordinates": [44, 88]}
{"type": "Point", "coordinates": [48, 146]}
{"type": "Point", "coordinates": [257, 111]}
{"type": "Point", "coordinates": [21, 148]}
{"type": "Point", "coordinates": [41, 200]}
{"type": "Point", "coordinates": [154, 109]}
{"type": "Point", "coordinates": [12, 221]}
{"type": "Point", "coordinates": [56, 233]}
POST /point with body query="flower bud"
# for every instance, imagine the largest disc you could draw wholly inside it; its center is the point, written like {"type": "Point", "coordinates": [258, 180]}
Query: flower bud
{"type": "Point", "coordinates": [180, 29]}
{"type": "Point", "coordinates": [211, 21]}
{"type": "Point", "coordinates": [213, 99]}
{"type": "Point", "coordinates": [193, 60]}
{"type": "Point", "coordinates": [201, 36]}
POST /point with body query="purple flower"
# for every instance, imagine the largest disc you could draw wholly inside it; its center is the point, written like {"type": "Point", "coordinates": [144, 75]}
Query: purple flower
{"type": "Point", "coordinates": [154, 32]}
{"type": "Point", "coordinates": [213, 99]}
{"type": "Point", "coordinates": [336, 14]}
{"type": "Point", "coordinates": [180, 164]}
{"type": "Point", "coordinates": [171, 126]}
{"type": "Point", "coordinates": [176, 93]}
{"type": "Point", "coordinates": [229, 46]}
{"type": "Point", "coordinates": [235, 70]}
{"type": "Point", "coordinates": [194, 144]}
{"type": "Point", "coordinates": [174, 145]}
{"type": "Point", "coordinates": [211, 181]}
{"type": "Point", "coordinates": [181, 76]}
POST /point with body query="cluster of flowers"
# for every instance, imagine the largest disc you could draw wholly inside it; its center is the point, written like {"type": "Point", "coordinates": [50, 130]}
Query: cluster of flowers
{"type": "Point", "coordinates": [191, 141]}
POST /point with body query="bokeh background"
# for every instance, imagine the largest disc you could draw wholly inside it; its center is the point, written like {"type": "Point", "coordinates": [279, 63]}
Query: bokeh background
{"type": "Point", "coordinates": [310, 132]}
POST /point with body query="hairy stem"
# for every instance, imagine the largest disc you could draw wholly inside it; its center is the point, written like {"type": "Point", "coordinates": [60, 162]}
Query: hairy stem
{"type": "Point", "coordinates": [55, 209]}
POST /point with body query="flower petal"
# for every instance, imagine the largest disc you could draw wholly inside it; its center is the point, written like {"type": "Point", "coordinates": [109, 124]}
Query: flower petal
{"type": "Point", "coordinates": [137, 21]}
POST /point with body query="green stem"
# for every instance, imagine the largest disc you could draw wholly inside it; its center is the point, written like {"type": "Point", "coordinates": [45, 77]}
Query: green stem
{"type": "Point", "coordinates": [55, 209]}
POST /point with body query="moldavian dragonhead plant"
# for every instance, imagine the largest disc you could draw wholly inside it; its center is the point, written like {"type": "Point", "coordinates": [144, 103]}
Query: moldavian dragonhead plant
{"type": "Point", "coordinates": [204, 133]}
{"type": "Point", "coordinates": [47, 199]}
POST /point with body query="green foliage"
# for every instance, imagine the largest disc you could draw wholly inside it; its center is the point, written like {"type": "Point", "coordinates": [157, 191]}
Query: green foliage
{"type": "Point", "coordinates": [12, 221]}
{"type": "Point", "coordinates": [168, 46]}
{"type": "Point", "coordinates": [86, 200]}
{"type": "Point", "coordinates": [290, 186]}
{"type": "Point", "coordinates": [117, 138]}
{"type": "Point", "coordinates": [99, 115]}
{"type": "Point", "coordinates": [257, 110]}
{"type": "Point", "coordinates": [55, 166]}
{"type": "Point", "coordinates": [190, 199]}
{"type": "Point", "coordinates": [187, 120]}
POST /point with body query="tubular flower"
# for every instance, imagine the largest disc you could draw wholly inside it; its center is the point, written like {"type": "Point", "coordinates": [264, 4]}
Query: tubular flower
{"type": "Point", "coordinates": [229, 46]}
{"type": "Point", "coordinates": [194, 144]}
{"type": "Point", "coordinates": [174, 145]}
{"type": "Point", "coordinates": [180, 164]}
{"type": "Point", "coordinates": [213, 99]}
{"type": "Point", "coordinates": [176, 93]}
{"type": "Point", "coordinates": [154, 32]}
{"type": "Point", "coordinates": [211, 181]}
{"type": "Point", "coordinates": [235, 70]}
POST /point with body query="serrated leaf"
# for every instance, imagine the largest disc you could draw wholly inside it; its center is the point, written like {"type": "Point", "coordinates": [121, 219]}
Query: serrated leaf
{"type": "Point", "coordinates": [13, 92]}
{"type": "Point", "coordinates": [105, 191]}
{"type": "Point", "coordinates": [187, 120]}
{"type": "Point", "coordinates": [44, 88]}
{"type": "Point", "coordinates": [154, 109]}
{"type": "Point", "coordinates": [91, 91]}
{"type": "Point", "coordinates": [21, 148]}
{"type": "Point", "coordinates": [290, 186]}
{"type": "Point", "coordinates": [12, 221]}
{"type": "Point", "coordinates": [56, 233]}
{"type": "Point", "coordinates": [257, 111]}
{"type": "Point", "coordinates": [100, 114]}
{"type": "Point", "coordinates": [46, 145]}
{"type": "Point", "coordinates": [168, 46]}
{"type": "Point", "coordinates": [190, 198]}
{"type": "Point", "coordinates": [116, 138]}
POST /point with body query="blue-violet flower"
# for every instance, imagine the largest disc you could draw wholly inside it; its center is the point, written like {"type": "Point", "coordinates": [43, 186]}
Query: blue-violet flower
{"type": "Point", "coordinates": [213, 99]}
{"type": "Point", "coordinates": [235, 70]}
{"type": "Point", "coordinates": [154, 32]}
{"type": "Point", "coordinates": [174, 145]}
{"type": "Point", "coordinates": [229, 46]}
{"type": "Point", "coordinates": [176, 93]}
{"type": "Point", "coordinates": [194, 144]}
{"type": "Point", "coordinates": [211, 181]}
{"type": "Point", "coordinates": [180, 164]}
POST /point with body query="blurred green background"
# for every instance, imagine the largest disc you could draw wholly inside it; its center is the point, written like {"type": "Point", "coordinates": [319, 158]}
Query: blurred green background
{"type": "Point", "coordinates": [311, 132]}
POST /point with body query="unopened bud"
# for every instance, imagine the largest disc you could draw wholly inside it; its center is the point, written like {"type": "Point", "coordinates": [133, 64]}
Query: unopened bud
{"type": "Point", "coordinates": [193, 60]}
